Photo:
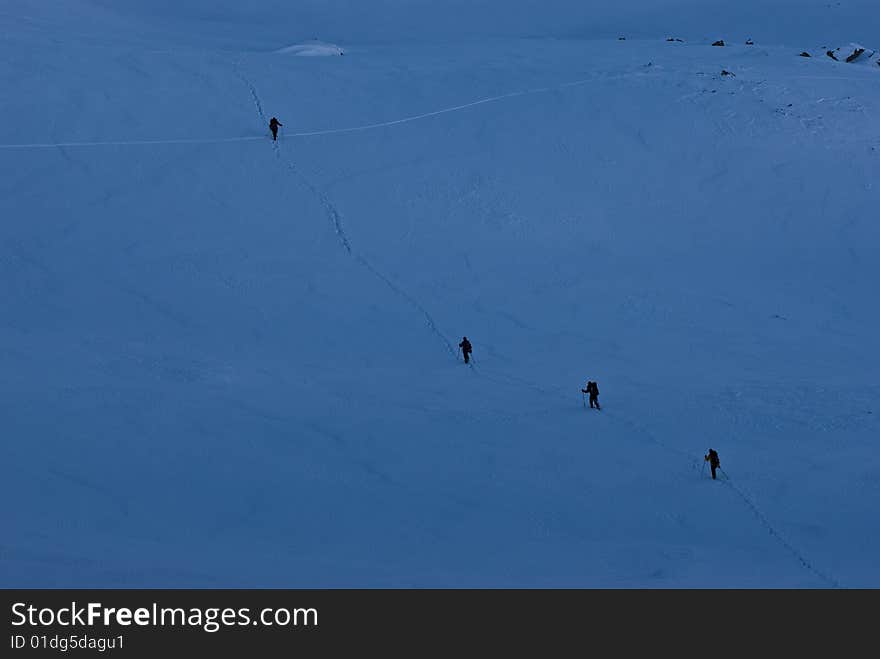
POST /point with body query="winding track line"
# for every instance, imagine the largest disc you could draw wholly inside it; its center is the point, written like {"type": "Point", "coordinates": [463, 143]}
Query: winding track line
{"type": "Point", "coordinates": [426, 115]}
{"type": "Point", "coordinates": [776, 534]}
{"type": "Point", "coordinates": [313, 133]}
{"type": "Point", "coordinates": [336, 219]}
{"type": "Point", "coordinates": [728, 481]}
{"type": "Point", "coordinates": [216, 140]}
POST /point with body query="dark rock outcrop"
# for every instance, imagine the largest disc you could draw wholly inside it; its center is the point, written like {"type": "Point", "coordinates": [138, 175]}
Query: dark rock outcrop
{"type": "Point", "coordinates": [855, 55]}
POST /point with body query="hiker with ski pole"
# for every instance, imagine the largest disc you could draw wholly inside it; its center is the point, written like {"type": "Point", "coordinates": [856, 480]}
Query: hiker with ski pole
{"type": "Point", "coordinates": [714, 462]}
{"type": "Point", "coordinates": [466, 348]}
{"type": "Point", "coordinates": [593, 390]}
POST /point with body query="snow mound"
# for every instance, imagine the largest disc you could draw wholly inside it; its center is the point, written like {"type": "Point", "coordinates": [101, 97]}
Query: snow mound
{"type": "Point", "coordinates": [312, 49]}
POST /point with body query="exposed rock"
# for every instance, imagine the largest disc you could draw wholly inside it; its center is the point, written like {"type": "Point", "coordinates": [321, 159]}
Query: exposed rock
{"type": "Point", "coordinates": [855, 54]}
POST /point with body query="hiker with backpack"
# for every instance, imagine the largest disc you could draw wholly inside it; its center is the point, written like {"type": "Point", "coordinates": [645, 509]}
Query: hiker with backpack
{"type": "Point", "coordinates": [273, 126]}
{"type": "Point", "coordinates": [593, 390]}
{"type": "Point", "coordinates": [714, 462]}
{"type": "Point", "coordinates": [466, 349]}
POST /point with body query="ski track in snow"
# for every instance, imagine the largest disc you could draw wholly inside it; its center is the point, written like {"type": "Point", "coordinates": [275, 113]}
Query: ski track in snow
{"type": "Point", "coordinates": [455, 108]}
{"type": "Point", "coordinates": [776, 534]}
{"type": "Point", "coordinates": [762, 518]}
{"type": "Point", "coordinates": [253, 90]}
{"type": "Point", "coordinates": [330, 131]}
{"type": "Point", "coordinates": [746, 499]}
{"type": "Point", "coordinates": [55, 145]}
{"type": "Point", "coordinates": [336, 219]}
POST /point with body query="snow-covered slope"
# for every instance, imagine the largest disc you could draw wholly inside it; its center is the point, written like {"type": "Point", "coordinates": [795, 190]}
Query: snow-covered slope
{"type": "Point", "coordinates": [231, 362]}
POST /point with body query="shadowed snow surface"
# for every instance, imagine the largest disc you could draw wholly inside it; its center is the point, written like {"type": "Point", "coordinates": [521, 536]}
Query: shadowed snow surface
{"type": "Point", "coordinates": [228, 362]}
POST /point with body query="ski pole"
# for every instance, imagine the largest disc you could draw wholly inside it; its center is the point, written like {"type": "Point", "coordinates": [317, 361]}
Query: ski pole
{"type": "Point", "coordinates": [584, 396]}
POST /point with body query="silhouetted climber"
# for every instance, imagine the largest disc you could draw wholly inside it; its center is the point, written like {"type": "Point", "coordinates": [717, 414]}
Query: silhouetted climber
{"type": "Point", "coordinates": [466, 349]}
{"type": "Point", "coordinates": [712, 458]}
{"type": "Point", "coordinates": [273, 126]}
{"type": "Point", "coordinates": [593, 390]}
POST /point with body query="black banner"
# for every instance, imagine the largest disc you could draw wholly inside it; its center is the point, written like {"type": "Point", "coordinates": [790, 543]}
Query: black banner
{"type": "Point", "coordinates": [170, 623]}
